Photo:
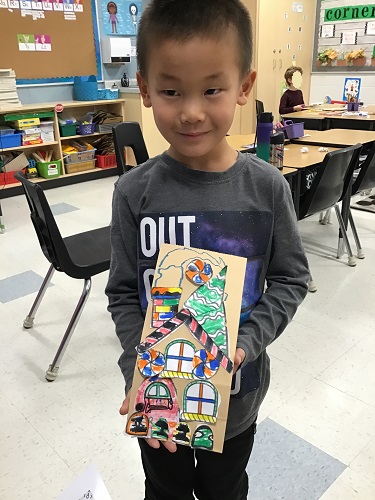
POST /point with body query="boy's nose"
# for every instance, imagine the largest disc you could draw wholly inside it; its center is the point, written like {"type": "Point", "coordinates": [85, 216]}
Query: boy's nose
{"type": "Point", "coordinates": [192, 112]}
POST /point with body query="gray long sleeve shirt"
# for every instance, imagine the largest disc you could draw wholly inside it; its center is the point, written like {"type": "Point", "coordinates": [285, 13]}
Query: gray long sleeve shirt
{"type": "Point", "coordinates": [246, 211]}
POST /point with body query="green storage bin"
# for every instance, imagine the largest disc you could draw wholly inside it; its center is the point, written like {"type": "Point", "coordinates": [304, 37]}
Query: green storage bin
{"type": "Point", "coordinates": [49, 169]}
{"type": "Point", "coordinates": [68, 130]}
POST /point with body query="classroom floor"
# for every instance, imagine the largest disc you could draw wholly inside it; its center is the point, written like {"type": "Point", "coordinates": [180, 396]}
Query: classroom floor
{"type": "Point", "coordinates": [316, 433]}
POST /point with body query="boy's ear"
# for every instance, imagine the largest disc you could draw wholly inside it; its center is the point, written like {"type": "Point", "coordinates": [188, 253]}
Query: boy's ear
{"type": "Point", "coordinates": [246, 86]}
{"type": "Point", "coordinates": [143, 87]}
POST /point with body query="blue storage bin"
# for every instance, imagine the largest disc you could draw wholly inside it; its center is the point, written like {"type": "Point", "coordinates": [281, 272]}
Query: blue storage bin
{"type": "Point", "coordinates": [10, 141]}
{"type": "Point", "coordinates": [101, 93]}
{"type": "Point", "coordinates": [106, 94]}
{"type": "Point", "coordinates": [85, 89]}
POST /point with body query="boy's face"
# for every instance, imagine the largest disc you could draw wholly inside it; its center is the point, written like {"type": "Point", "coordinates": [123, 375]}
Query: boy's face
{"type": "Point", "coordinates": [193, 88]}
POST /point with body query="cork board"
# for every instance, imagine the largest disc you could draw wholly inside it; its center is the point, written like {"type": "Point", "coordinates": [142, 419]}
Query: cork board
{"type": "Point", "coordinates": [345, 26]}
{"type": "Point", "coordinates": [184, 369]}
{"type": "Point", "coordinates": [70, 34]}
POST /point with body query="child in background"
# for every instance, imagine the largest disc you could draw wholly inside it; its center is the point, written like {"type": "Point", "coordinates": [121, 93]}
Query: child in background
{"type": "Point", "coordinates": [292, 99]}
{"type": "Point", "coordinates": [194, 62]}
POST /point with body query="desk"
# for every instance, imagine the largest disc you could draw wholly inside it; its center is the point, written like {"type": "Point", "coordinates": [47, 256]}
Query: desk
{"type": "Point", "coordinates": [239, 141]}
{"type": "Point", "coordinates": [337, 138]}
{"type": "Point", "coordinates": [315, 119]}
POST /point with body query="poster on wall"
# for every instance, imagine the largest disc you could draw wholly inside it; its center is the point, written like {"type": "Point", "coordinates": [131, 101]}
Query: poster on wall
{"type": "Point", "coordinates": [120, 18]}
{"type": "Point", "coordinates": [352, 87]}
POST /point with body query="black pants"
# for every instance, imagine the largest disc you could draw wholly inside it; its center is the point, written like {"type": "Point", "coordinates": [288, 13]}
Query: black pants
{"type": "Point", "coordinates": [214, 476]}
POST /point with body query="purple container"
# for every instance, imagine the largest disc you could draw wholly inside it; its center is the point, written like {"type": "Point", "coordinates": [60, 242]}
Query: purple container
{"type": "Point", "coordinates": [293, 130]}
{"type": "Point", "coordinates": [353, 106]}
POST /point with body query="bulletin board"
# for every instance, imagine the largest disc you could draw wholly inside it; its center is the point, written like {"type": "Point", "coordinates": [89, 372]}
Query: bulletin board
{"type": "Point", "coordinates": [346, 26]}
{"type": "Point", "coordinates": [50, 41]}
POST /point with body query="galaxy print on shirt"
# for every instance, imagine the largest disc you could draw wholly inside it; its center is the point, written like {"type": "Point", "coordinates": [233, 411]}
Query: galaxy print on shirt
{"type": "Point", "coordinates": [245, 234]}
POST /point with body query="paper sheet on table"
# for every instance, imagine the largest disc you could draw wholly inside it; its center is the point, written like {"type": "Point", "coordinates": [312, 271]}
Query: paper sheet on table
{"type": "Point", "coordinates": [87, 486]}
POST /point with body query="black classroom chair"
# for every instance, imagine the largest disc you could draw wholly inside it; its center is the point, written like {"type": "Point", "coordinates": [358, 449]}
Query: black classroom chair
{"type": "Point", "coordinates": [364, 181]}
{"type": "Point", "coordinates": [128, 134]}
{"type": "Point", "coordinates": [329, 186]}
{"type": "Point", "coordinates": [259, 107]}
{"type": "Point", "coordinates": [80, 256]}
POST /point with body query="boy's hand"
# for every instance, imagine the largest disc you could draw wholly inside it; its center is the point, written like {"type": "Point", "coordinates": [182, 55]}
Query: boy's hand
{"type": "Point", "coordinates": [239, 357]}
{"type": "Point", "coordinates": [154, 443]}
{"type": "Point", "coordinates": [300, 107]}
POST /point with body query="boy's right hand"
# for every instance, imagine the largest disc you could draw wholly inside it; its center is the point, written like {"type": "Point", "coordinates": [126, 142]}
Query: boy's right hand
{"type": "Point", "coordinates": [300, 107]}
{"type": "Point", "coordinates": [154, 443]}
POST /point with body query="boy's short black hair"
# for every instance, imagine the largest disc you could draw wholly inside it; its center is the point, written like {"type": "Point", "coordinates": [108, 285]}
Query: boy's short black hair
{"type": "Point", "coordinates": [290, 72]}
{"type": "Point", "coordinates": [181, 20]}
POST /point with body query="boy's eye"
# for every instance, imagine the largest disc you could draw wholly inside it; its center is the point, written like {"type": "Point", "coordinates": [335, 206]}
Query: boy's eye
{"type": "Point", "coordinates": [170, 93]}
{"type": "Point", "coordinates": [212, 91]}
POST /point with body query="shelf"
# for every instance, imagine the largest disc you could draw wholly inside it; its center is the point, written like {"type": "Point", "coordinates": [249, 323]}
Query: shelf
{"type": "Point", "coordinates": [84, 135]}
{"type": "Point", "coordinates": [37, 146]}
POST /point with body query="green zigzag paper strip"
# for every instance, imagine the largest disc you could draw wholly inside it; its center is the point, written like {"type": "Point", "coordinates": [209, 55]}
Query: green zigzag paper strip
{"type": "Point", "coordinates": [206, 305]}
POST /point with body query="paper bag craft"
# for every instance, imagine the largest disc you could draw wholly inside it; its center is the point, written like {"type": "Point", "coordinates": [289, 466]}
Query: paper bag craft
{"type": "Point", "coordinates": [184, 368]}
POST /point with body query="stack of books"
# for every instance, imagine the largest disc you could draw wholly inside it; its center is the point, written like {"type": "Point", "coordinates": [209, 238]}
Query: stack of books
{"type": "Point", "coordinates": [8, 90]}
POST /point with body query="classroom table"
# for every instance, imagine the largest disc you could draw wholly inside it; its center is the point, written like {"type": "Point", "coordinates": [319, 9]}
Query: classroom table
{"type": "Point", "coordinates": [328, 116]}
{"type": "Point", "coordinates": [336, 138]}
{"type": "Point", "coordinates": [293, 159]}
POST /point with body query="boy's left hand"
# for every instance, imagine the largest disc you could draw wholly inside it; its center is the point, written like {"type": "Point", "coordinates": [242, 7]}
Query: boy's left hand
{"type": "Point", "coordinates": [239, 358]}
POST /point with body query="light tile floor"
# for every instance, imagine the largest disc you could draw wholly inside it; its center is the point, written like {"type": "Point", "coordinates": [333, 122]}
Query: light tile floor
{"type": "Point", "coordinates": [316, 436]}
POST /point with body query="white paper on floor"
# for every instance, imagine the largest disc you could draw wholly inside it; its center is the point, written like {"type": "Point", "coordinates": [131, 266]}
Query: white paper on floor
{"type": "Point", "coordinates": [87, 486]}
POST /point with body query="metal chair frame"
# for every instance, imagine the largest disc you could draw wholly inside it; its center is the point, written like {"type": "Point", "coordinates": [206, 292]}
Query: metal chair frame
{"type": "Point", "coordinates": [80, 256]}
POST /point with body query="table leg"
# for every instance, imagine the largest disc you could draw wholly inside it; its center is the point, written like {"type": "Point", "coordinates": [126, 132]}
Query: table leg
{"type": "Point", "coordinates": [296, 191]}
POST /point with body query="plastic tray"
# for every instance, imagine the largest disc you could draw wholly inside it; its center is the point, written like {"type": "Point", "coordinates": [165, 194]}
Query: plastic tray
{"type": "Point", "coordinates": [79, 156]}
{"type": "Point", "coordinates": [106, 94]}
{"type": "Point", "coordinates": [86, 128]}
{"type": "Point", "coordinates": [10, 141]}
{"type": "Point", "coordinates": [71, 168]}
{"type": "Point", "coordinates": [106, 161]}
{"type": "Point", "coordinates": [6, 131]}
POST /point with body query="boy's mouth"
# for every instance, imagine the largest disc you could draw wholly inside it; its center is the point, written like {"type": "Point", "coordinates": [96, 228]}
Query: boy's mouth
{"type": "Point", "coordinates": [193, 134]}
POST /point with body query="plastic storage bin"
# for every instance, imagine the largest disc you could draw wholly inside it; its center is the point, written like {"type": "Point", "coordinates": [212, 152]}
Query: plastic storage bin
{"type": "Point", "coordinates": [49, 169]}
{"type": "Point", "coordinates": [293, 130]}
{"type": "Point", "coordinates": [71, 168]}
{"type": "Point", "coordinates": [6, 130]}
{"type": "Point", "coordinates": [352, 106]}
{"type": "Point", "coordinates": [86, 128]}
{"type": "Point", "coordinates": [85, 89]}
{"type": "Point", "coordinates": [107, 94]}
{"type": "Point", "coordinates": [79, 156]}
{"type": "Point", "coordinates": [68, 130]}
{"type": "Point", "coordinates": [106, 161]}
{"type": "Point", "coordinates": [10, 141]}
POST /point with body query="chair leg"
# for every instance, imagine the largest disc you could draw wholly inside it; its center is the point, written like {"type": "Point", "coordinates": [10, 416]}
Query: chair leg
{"type": "Point", "coordinates": [312, 287]}
{"type": "Point", "coordinates": [325, 219]}
{"type": "Point", "coordinates": [352, 260]}
{"type": "Point", "coordinates": [360, 253]}
{"type": "Point", "coordinates": [51, 373]}
{"type": "Point", "coordinates": [29, 320]}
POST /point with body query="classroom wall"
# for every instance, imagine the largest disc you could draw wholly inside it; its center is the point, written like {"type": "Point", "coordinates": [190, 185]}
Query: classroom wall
{"type": "Point", "coordinates": [64, 92]}
{"type": "Point", "coordinates": [333, 85]}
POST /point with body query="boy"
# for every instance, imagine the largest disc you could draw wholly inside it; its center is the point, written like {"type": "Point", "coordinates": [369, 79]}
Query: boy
{"type": "Point", "coordinates": [292, 98]}
{"type": "Point", "coordinates": [194, 62]}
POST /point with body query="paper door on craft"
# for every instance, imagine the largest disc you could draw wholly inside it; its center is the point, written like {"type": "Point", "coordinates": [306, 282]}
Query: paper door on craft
{"type": "Point", "coordinates": [183, 374]}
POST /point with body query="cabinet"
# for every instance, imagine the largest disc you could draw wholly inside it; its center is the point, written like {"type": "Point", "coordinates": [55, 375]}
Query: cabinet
{"type": "Point", "coordinates": [78, 109]}
{"type": "Point", "coordinates": [284, 37]}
